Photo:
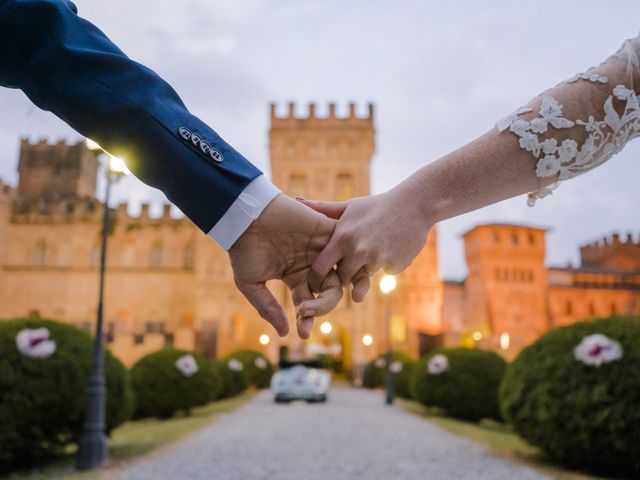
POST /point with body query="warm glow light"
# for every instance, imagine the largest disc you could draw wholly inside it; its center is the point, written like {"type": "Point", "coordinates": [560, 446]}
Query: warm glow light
{"type": "Point", "coordinates": [326, 327]}
{"type": "Point", "coordinates": [388, 284]}
{"type": "Point", "coordinates": [91, 145]}
{"type": "Point", "coordinates": [264, 339]}
{"type": "Point", "coordinates": [367, 340]}
{"type": "Point", "coordinates": [477, 336]}
{"type": "Point", "coordinates": [504, 341]}
{"type": "Point", "coordinates": [117, 165]}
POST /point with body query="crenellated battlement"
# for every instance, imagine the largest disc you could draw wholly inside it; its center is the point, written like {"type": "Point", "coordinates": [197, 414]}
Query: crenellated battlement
{"type": "Point", "coordinates": [85, 210]}
{"type": "Point", "coordinates": [613, 252]}
{"type": "Point", "coordinates": [311, 116]}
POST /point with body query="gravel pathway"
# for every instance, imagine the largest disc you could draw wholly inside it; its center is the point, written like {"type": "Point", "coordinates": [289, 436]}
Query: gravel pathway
{"type": "Point", "coordinates": [352, 436]}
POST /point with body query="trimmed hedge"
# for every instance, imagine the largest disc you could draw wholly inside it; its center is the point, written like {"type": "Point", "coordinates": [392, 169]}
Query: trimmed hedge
{"type": "Point", "coordinates": [233, 381]}
{"type": "Point", "coordinates": [582, 415]}
{"type": "Point", "coordinates": [466, 389]}
{"type": "Point", "coordinates": [161, 389]}
{"type": "Point", "coordinates": [256, 376]}
{"type": "Point", "coordinates": [42, 400]}
{"type": "Point", "coordinates": [374, 371]}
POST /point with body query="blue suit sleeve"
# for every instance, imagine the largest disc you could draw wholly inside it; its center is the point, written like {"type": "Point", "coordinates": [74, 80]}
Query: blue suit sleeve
{"type": "Point", "coordinates": [66, 65]}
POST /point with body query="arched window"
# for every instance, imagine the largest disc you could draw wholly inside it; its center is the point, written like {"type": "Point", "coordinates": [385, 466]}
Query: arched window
{"type": "Point", "coordinates": [344, 187]}
{"type": "Point", "coordinates": [514, 238]}
{"type": "Point", "coordinates": [532, 239]}
{"type": "Point", "coordinates": [592, 308]}
{"type": "Point", "coordinates": [569, 308]}
{"type": "Point", "coordinates": [188, 259]}
{"type": "Point", "coordinates": [614, 309]}
{"type": "Point", "coordinates": [40, 255]}
{"type": "Point", "coordinates": [155, 259]}
{"type": "Point", "coordinates": [297, 185]}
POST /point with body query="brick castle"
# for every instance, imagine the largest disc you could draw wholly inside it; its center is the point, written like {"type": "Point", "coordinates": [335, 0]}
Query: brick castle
{"type": "Point", "coordinates": [167, 284]}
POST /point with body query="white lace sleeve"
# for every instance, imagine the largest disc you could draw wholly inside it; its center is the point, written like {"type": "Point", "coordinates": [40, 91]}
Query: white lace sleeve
{"type": "Point", "coordinates": [581, 122]}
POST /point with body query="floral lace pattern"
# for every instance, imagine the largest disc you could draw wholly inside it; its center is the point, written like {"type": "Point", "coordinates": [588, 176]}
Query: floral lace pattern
{"type": "Point", "coordinates": [589, 76]}
{"type": "Point", "coordinates": [566, 159]}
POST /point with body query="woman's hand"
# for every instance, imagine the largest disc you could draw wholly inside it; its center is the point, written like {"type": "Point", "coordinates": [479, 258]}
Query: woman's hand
{"type": "Point", "coordinates": [381, 231]}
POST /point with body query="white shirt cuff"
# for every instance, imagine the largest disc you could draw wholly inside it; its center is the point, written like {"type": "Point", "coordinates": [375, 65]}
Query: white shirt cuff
{"type": "Point", "coordinates": [243, 211]}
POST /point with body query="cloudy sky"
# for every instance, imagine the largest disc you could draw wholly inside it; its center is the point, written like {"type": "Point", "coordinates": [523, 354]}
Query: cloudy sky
{"type": "Point", "coordinates": [440, 74]}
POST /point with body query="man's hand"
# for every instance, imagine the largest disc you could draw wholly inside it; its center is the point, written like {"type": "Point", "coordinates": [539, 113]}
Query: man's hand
{"type": "Point", "coordinates": [282, 244]}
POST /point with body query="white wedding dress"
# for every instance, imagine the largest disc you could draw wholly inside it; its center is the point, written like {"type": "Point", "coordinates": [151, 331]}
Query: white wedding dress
{"type": "Point", "coordinates": [581, 122]}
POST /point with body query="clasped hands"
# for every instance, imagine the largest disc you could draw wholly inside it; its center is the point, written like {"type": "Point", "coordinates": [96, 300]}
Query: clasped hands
{"type": "Point", "coordinates": [319, 248]}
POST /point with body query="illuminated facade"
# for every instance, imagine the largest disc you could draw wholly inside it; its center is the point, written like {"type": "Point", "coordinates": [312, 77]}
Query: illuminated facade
{"type": "Point", "coordinates": [167, 284]}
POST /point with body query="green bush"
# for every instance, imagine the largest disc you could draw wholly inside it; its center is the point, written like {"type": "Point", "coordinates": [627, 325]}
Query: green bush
{"type": "Point", "coordinates": [161, 389]}
{"type": "Point", "coordinates": [253, 373]}
{"type": "Point", "coordinates": [374, 373]}
{"type": "Point", "coordinates": [468, 386]}
{"type": "Point", "coordinates": [42, 400]}
{"type": "Point", "coordinates": [582, 415]}
{"type": "Point", "coordinates": [233, 381]}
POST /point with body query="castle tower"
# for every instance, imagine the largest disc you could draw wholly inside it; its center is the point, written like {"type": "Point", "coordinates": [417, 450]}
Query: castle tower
{"type": "Point", "coordinates": [322, 158]}
{"type": "Point", "coordinates": [506, 286]}
{"type": "Point", "coordinates": [326, 158]}
{"type": "Point", "coordinates": [329, 158]}
{"type": "Point", "coordinates": [53, 171]}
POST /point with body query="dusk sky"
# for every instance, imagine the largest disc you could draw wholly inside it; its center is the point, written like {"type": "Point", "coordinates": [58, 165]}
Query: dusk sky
{"type": "Point", "coordinates": [439, 73]}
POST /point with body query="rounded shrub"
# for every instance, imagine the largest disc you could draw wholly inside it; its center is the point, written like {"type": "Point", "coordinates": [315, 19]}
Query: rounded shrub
{"type": "Point", "coordinates": [162, 388]}
{"type": "Point", "coordinates": [233, 381]}
{"type": "Point", "coordinates": [257, 369]}
{"type": "Point", "coordinates": [463, 382]}
{"type": "Point", "coordinates": [575, 393]}
{"type": "Point", "coordinates": [43, 399]}
{"type": "Point", "coordinates": [401, 366]}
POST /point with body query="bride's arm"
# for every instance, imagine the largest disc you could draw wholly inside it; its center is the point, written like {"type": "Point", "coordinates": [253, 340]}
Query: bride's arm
{"type": "Point", "coordinates": [567, 130]}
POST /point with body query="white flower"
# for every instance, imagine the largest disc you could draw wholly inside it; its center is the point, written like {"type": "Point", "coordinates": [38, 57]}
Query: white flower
{"type": "Point", "coordinates": [551, 112]}
{"type": "Point", "coordinates": [550, 107]}
{"type": "Point", "coordinates": [438, 364]}
{"type": "Point", "coordinates": [548, 166]}
{"type": "Point", "coordinates": [538, 125]}
{"type": "Point", "coordinates": [396, 366]}
{"type": "Point", "coordinates": [597, 349]}
{"type": "Point", "coordinates": [530, 143]}
{"type": "Point", "coordinates": [380, 363]}
{"type": "Point", "coordinates": [505, 122]}
{"type": "Point", "coordinates": [550, 145]}
{"type": "Point", "coordinates": [621, 92]}
{"type": "Point", "coordinates": [261, 363]}
{"type": "Point", "coordinates": [519, 127]}
{"type": "Point", "coordinates": [567, 150]}
{"type": "Point", "coordinates": [235, 365]}
{"type": "Point", "coordinates": [35, 343]}
{"type": "Point", "coordinates": [187, 365]}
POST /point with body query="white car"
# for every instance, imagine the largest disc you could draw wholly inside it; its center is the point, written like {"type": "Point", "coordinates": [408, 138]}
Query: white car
{"type": "Point", "coordinates": [300, 382]}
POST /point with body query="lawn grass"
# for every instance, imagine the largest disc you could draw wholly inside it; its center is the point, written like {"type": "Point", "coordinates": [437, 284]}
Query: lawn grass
{"type": "Point", "coordinates": [133, 439]}
{"type": "Point", "coordinates": [499, 439]}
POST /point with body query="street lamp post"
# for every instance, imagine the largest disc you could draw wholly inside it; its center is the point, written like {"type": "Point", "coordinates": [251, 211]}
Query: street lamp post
{"type": "Point", "coordinates": [387, 285]}
{"type": "Point", "coordinates": [92, 445]}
